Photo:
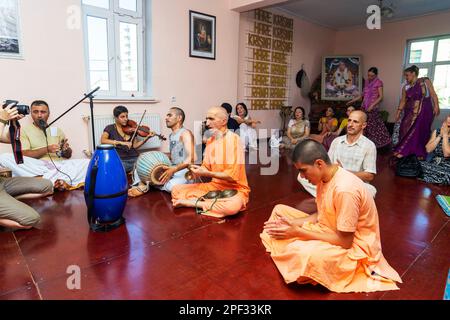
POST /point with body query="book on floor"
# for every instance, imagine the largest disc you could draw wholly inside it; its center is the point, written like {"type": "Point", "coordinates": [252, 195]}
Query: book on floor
{"type": "Point", "coordinates": [444, 202]}
{"type": "Point", "coordinates": [447, 287]}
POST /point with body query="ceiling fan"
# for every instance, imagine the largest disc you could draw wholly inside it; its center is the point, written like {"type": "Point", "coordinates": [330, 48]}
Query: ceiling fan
{"type": "Point", "coordinates": [387, 11]}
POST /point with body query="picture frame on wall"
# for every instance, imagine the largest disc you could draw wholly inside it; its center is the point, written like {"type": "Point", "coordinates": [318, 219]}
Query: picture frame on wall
{"type": "Point", "coordinates": [202, 35]}
{"type": "Point", "coordinates": [10, 41]}
{"type": "Point", "coordinates": [341, 77]}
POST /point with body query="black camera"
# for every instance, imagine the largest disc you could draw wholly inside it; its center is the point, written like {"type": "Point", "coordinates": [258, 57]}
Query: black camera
{"type": "Point", "coordinates": [21, 108]}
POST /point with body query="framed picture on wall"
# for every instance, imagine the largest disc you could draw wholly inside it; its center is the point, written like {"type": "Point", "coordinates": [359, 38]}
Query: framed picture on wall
{"type": "Point", "coordinates": [10, 43]}
{"type": "Point", "coordinates": [202, 35]}
{"type": "Point", "coordinates": [341, 77]}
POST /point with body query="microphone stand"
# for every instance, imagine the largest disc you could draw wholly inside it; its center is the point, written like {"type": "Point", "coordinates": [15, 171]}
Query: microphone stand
{"type": "Point", "coordinates": [89, 95]}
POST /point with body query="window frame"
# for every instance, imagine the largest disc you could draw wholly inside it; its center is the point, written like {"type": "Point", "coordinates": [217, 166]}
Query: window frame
{"type": "Point", "coordinates": [114, 16]}
{"type": "Point", "coordinates": [139, 13]}
{"type": "Point", "coordinates": [430, 65]}
{"type": "Point", "coordinates": [140, 56]}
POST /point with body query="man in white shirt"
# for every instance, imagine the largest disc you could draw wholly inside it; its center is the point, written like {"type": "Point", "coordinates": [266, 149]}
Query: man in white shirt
{"type": "Point", "coordinates": [354, 152]}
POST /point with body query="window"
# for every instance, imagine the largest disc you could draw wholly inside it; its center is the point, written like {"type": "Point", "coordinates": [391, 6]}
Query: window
{"type": "Point", "coordinates": [115, 48]}
{"type": "Point", "coordinates": [432, 56]}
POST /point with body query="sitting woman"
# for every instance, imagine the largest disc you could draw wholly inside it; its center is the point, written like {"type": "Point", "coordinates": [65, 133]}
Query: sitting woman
{"type": "Point", "coordinates": [298, 129]}
{"type": "Point", "coordinates": [247, 127]}
{"type": "Point", "coordinates": [330, 136]}
{"type": "Point", "coordinates": [326, 124]}
{"type": "Point", "coordinates": [127, 149]}
{"type": "Point", "coordinates": [437, 169]}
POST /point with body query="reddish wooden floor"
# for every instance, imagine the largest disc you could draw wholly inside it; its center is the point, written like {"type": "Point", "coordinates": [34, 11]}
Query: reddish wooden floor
{"type": "Point", "coordinates": [163, 253]}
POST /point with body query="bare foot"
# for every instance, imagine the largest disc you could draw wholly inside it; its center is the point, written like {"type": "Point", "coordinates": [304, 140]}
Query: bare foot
{"type": "Point", "coordinates": [137, 191]}
{"type": "Point", "coordinates": [183, 203]}
{"type": "Point", "coordinates": [13, 225]}
{"type": "Point", "coordinates": [61, 185]}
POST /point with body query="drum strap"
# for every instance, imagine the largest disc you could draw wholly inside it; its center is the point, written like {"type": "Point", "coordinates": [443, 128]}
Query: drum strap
{"type": "Point", "coordinates": [91, 192]}
{"type": "Point", "coordinates": [111, 196]}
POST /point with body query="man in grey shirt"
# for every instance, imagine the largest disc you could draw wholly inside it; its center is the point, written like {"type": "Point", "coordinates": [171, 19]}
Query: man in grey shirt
{"type": "Point", "coordinates": [182, 155]}
{"type": "Point", "coordinates": [353, 152]}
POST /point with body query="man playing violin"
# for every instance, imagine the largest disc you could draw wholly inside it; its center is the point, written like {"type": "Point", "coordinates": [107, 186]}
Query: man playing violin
{"type": "Point", "coordinates": [114, 134]}
{"type": "Point", "coordinates": [182, 155]}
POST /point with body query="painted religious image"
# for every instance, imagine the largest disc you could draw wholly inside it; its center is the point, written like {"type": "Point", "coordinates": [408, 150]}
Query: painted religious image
{"type": "Point", "coordinates": [202, 35]}
{"type": "Point", "coordinates": [341, 77]}
{"type": "Point", "coordinates": [9, 28]}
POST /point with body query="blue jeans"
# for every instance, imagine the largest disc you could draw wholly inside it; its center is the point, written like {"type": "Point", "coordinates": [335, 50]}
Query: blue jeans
{"type": "Point", "coordinates": [128, 164]}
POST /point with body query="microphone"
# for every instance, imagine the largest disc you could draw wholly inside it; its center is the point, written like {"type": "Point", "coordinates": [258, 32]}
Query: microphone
{"type": "Point", "coordinates": [43, 126]}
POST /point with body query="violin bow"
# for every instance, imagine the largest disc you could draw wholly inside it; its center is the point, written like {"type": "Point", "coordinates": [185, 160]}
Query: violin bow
{"type": "Point", "coordinates": [137, 129]}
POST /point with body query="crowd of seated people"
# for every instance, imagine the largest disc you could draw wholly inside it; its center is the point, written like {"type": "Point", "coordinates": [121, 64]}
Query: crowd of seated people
{"type": "Point", "coordinates": [341, 176]}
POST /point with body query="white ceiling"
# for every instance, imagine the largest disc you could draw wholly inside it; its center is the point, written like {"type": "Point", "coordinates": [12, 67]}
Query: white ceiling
{"type": "Point", "coordinates": [339, 14]}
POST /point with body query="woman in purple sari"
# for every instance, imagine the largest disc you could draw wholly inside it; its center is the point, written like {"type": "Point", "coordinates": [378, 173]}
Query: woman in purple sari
{"type": "Point", "coordinates": [373, 94]}
{"type": "Point", "coordinates": [420, 104]}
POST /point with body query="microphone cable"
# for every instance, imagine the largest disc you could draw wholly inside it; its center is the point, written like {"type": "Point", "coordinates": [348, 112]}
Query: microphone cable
{"type": "Point", "coordinates": [50, 156]}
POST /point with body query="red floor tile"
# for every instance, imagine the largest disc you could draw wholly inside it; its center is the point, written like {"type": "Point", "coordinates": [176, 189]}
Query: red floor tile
{"type": "Point", "coordinates": [14, 271]}
{"type": "Point", "coordinates": [64, 239]}
{"type": "Point", "coordinates": [153, 273]}
{"type": "Point", "coordinates": [27, 293]}
{"type": "Point", "coordinates": [162, 253]}
{"type": "Point", "coordinates": [426, 279]}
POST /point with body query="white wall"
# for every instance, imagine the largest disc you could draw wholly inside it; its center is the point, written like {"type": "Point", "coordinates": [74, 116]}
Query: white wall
{"type": "Point", "coordinates": [311, 42]}
{"type": "Point", "coordinates": [53, 67]}
{"type": "Point", "coordinates": [385, 49]}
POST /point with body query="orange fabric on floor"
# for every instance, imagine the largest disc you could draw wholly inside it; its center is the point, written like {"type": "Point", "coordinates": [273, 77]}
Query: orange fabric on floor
{"type": "Point", "coordinates": [345, 205]}
{"type": "Point", "coordinates": [221, 155]}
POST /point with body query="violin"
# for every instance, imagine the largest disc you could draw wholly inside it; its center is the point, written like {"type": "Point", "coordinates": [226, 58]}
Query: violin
{"type": "Point", "coordinates": [132, 128]}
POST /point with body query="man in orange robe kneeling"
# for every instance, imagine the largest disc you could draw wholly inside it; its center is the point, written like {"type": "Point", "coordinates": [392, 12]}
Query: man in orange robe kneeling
{"type": "Point", "coordinates": [339, 247]}
{"type": "Point", "coordinates": [224, 162]}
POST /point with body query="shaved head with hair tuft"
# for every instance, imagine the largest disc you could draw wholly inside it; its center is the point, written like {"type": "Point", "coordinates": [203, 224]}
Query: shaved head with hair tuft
{"type": "Point", "coordinates": [308, 151]}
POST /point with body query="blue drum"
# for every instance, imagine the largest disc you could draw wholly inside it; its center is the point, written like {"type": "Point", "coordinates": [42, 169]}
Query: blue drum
{"type": "Point", "coordinates": [105, 190]}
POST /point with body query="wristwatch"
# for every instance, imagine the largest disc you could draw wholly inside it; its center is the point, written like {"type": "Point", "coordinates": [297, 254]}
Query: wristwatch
{"type": "Point", "coordinates": [5, 122]}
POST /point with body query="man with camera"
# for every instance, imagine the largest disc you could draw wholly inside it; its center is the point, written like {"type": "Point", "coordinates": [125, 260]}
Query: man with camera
{"type": "Point", "coordinates": [13, 213]}
{"type": "Point", "coordinates": [47, 153]}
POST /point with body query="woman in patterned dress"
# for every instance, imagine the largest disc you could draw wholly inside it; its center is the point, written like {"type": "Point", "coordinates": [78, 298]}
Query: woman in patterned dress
{"type": "Point", "coordinates": [327, 124]}
{"type": "Point", "coordinates": [372, 95]}
{"type": "Point", "coordinates": [437, 169]}
{"type": "Point", "coordinates": [419, 105]}
{"type": "Point", "coordinates": [298, 129]}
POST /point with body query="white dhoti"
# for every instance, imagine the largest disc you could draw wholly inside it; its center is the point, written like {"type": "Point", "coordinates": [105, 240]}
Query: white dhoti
{"type": "Point", "coordinates": [73, 172]}
{"type": "Point", "coordinates": [177, 178]}
{"type": "Point", "coordinates": [249, 137]}
{"type": "Point", "coordinates": [312, 189]}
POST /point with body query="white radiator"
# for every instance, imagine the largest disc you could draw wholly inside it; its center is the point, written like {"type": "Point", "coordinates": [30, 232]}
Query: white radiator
{"type": "Point", "coordinates": [101, 121]}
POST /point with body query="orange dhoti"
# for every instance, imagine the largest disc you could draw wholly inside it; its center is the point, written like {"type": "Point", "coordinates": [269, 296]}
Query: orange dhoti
{"type": "Point", "coordinates": [224, 155]}
{"type": "Point", "coordinates": [362, 268]}
{"type": "Point", "coordinates": [317, 261]}
{"type": "Point", "coordinates": [215, 208]}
